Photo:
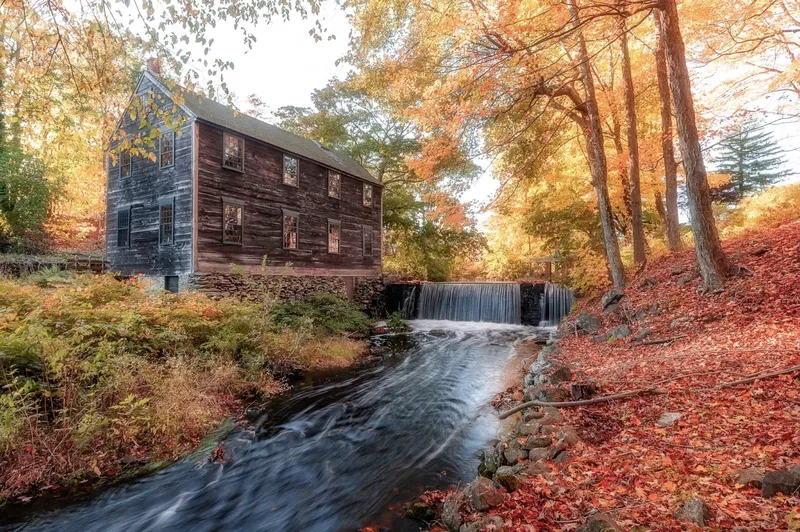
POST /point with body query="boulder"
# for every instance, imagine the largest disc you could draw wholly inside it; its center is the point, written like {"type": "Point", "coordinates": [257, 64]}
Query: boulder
{"type": "Point", "coordinates": [438, 332]}
{"type": "Point", "coordinates": [451, 510]}
{"type": "Point", "coordinates": [668, 419]}
{"type": "Point", "coordinates": [539, 455]}
{"type": "Point", "coordinates": [588, 322]}
{"type": "Point", "coordinates": [510, 477]}
{"type": "Point", "coordinates": [581, 390]}
{"type": "Point", "coordinates": [783, 481]}
{"type": "Point", "coordinates": [686, 278]}
{"type": "Point", "coordinates": [751, 476]}
{"type": "Point", "coordinates": [677, 270]}
{"type": "Point", "coordinates": [491, 460]}
{"type": "Point", "coordinates": [554, 374]}
{"type": "Point", "coordinates": [537, 468]}
{"type": "Point", "coordinates": [620, 331]}
{"type": "Point", "coordinates": [546, 394]}
{"type": "Point", "coordinates": [535, 442]}
{"type": "Point", "coordinates": [531, 415]}
{"type": "Point", "coordinates": [568, 435]}
{"type": "Point", "coordinates": [642, 333]}
{"type": "Point", "coordinates": [695, 510]}
{"type": "Point", "coordinates": [599, 523]}
{"type": "Point", "coordinates": [647, 284]}
{"type": "Point", "coordinates": [514, 453]}
{"type": "Point", "coordinates": [528, 428]}
{"type": "Point", "coordinates": [760, 251]}
{"type": "Point", "coordinates": [611, 297]}
{"type": "Point", "coordinates": [494, 523]}
{"type": "Point", "coordinates": [484, 495]}
{"type": "Point", "coordinates": [553, 413]}
{"type": "Point", "coordinates": [558, 449]}
{"type": "Point", "coordinates": [421, 510]}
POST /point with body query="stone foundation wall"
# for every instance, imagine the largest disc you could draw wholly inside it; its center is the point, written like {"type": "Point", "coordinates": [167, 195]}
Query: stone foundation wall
{"type": "Point", "coordinates": [366, 292]}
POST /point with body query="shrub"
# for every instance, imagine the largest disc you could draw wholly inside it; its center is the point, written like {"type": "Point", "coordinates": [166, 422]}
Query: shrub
{"type": "Point", "coordinates": [771, 208]}
{"type": "Point", "coordinates": [93, 369]}
{"type": "Point", "coordinates": [323, 312]}
{"type": "Point", "coordinates": [396, 324]}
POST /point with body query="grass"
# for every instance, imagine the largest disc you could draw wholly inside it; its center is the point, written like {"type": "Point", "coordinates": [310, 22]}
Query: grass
{"type": "Point", "coordinates": [96, 372]}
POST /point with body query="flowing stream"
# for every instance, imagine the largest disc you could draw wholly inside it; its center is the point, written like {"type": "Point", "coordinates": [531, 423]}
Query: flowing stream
{"type": "Point", "coordinates": [332, 456]}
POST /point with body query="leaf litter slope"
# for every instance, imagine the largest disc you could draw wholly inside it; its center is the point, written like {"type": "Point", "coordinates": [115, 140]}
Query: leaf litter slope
{"type": "Point", "coordinates": [642, 474]}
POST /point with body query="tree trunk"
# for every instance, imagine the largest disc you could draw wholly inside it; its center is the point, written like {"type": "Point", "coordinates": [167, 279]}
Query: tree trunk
{"type": "Point", "coordinates": [662, 212]}
{"type": "Point", "coordinates": [616, 135]}
{"type": "Point", "coordinates": [593, 131]}
{"type": "Point", "coordinates": [710, 258]}
{"type": "Point", "coordinates": [637, 224]}
{"type": "Point", "coordinates": [670, 166]}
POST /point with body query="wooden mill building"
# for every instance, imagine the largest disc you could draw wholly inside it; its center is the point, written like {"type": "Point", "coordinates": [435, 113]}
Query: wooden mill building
{"type": "Point", "coordinates": [228, 193]}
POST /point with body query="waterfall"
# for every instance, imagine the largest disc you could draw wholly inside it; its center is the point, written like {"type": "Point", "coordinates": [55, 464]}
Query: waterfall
{"type": "Point", "coordinates": [409, 305]}
{"type": "Point", "coordinates": [556, 303]}
{"type": "Point", "coordinates": [492, 302]}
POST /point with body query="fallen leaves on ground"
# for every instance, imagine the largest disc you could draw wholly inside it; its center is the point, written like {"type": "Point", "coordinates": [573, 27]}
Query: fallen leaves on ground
{"type": "Point", "coordinates": [642, 474]}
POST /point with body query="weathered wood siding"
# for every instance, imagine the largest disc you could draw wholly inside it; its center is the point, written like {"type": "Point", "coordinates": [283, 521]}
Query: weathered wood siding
{"type": "Point", "coordinates": [260, 187]}
{"type": "Point", "coordinates": [143, 191]}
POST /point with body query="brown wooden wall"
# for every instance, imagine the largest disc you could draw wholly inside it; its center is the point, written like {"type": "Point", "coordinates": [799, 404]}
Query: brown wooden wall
{"type": "Point", "coordinates": [261, 189]}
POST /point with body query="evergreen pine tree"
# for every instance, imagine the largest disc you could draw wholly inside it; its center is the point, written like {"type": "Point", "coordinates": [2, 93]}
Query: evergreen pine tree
{"type": "Point", "coordinates": [752, 158]}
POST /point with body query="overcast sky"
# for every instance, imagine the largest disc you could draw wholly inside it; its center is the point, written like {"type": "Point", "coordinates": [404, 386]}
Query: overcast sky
{"type": "Point", "coordinates": [286, 64]}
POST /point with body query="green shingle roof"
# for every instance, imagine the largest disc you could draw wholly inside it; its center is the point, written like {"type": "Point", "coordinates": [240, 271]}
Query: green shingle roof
{"type": "Point", "coordinates": [215, 113]}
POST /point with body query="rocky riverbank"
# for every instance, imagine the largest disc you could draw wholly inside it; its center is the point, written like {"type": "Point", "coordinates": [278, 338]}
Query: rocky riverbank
{"type": "Point", "coordinates": [656, 408]}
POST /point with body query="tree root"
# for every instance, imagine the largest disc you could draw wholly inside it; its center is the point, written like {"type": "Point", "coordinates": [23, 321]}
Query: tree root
{"type": "Point", "coordinates": [646, 391]}
{"type": "Point", "coordinates": [585, 402]}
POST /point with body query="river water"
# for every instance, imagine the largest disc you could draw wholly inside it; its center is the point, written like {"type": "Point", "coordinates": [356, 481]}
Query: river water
{"type": "Point", "coordinates": [332, 456]}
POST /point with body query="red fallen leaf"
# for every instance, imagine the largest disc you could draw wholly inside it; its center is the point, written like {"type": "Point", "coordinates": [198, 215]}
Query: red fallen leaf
{"type": "Point", "coordinates": [217, 455]}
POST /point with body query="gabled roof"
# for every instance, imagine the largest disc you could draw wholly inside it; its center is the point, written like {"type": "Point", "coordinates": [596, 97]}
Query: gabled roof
{"type": "Point", "coordinates": [208, 110]}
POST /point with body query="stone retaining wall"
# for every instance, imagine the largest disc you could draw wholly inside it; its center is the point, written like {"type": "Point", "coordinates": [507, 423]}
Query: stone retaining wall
{"type": "Point", "coordinates": [366, 292]}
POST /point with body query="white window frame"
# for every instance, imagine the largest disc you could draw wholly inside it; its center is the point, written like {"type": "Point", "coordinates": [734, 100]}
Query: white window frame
{"type": "Point", "coordinates": [293, 214]}
{"type": "Point", "coordinates": [337, 224]}
{"type": "Point", "coordinates": [364, 201]}
{"type": "Point", "coordinates": [338, 195]}
{"type": "Point", "coordinates": [296, 183]}
{"type": "Point", "coordinates": [161, 164]}
{"type": "Point", "coordinates": [225, 137]}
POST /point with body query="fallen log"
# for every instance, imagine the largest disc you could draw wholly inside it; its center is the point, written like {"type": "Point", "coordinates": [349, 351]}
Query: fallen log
{"type": "Point", "coordinates": [585, 402]}
{"type": "Point", "coordinates": [663, 340]}
{"type": "Point", "coordinates": [770, 375]}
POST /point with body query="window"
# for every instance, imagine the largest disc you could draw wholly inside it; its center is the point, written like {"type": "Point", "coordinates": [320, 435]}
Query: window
{"type": "Point", "coordinates": [232, 226]}
{"type": "Point", "coordinates": [290, 223]}
{"type": "Point", "coordinates": [167, 152]}
{"type": "Point", "coordinates": [291, 171]}
{"type": "Point", "coordinates": [334, 185]}
{"type": "Point", "coordinates": [171, 283]}
{"type": "Point", "coordinates": [124, 163]}
{"type": "Point", "coordinates": [366, 236]}
{"type": "Point", "coordinates": [124, 228]}
{"type": "Point", "coordinates": [334, 232]}
{"type": "Point", "coordinates": [367, 195]}
{"type": "Point", "coordinates": [232, 152]}
{"type": "Point", "coordinates": [166, 224]}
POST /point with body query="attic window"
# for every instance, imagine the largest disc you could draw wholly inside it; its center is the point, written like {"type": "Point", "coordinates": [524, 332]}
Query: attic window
{"type": "Point", "coordinates": [291, 171]}
{"type": "Point", "coordinates": [125, 163]}
{"type": "Point", "coordinates": [232, 152]}
{"type": "Point", "coordinates": [334, 185]}
{"type": "Point", "coordinates": [167, 151]}
{"type": "Point", "coordinates": [367, 195]}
